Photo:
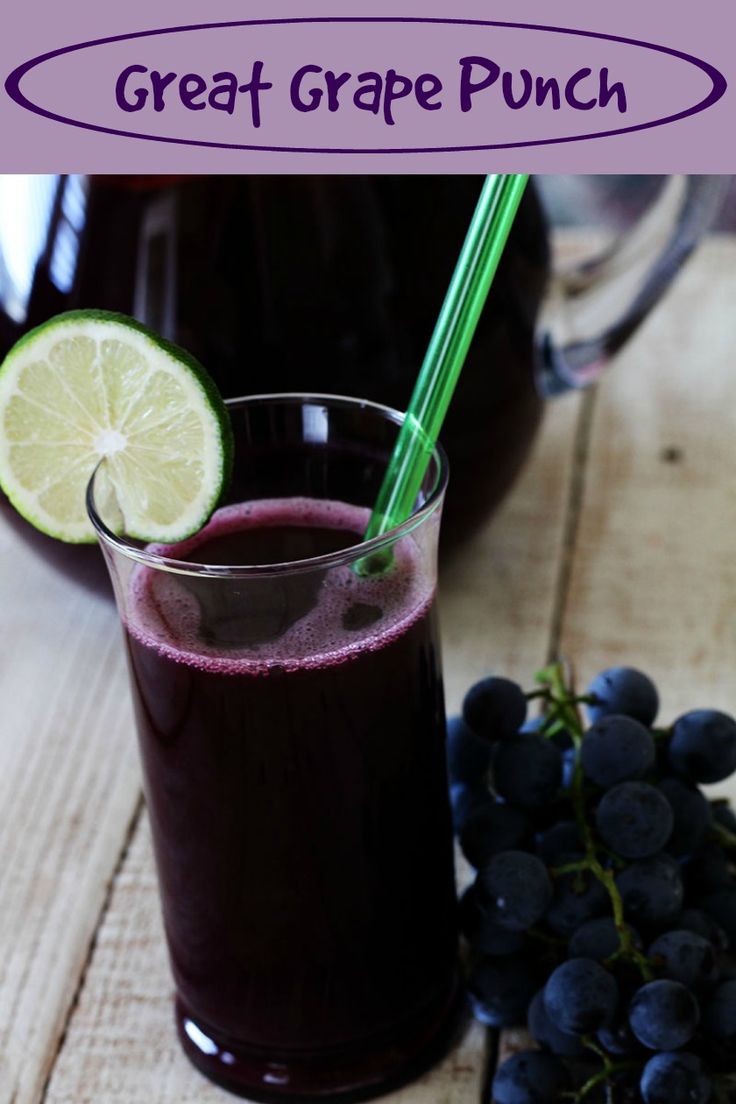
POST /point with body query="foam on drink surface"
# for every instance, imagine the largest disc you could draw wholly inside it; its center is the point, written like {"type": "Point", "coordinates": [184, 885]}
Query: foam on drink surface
{"type": "Point", "coordinates": [350, 614]}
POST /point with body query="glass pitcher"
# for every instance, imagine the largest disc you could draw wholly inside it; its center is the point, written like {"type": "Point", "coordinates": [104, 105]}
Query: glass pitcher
{"type": "Point", "coordinates": [333, 284]}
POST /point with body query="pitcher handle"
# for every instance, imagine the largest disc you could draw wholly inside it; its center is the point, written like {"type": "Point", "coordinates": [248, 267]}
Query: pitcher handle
{"type": "Point", "coordinates": [591, 310]}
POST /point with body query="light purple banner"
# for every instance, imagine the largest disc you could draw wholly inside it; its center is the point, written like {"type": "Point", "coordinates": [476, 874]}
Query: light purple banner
{"type": "Point", "coordinates": [430, 87]}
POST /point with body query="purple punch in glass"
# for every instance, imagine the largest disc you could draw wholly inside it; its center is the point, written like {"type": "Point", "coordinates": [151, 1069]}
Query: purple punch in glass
{"type": "Point", "coordinates": [291, 726]}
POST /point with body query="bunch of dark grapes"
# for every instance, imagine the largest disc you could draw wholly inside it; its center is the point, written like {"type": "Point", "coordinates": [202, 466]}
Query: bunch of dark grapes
{"type": "Point", "coordinates": [603, 911]}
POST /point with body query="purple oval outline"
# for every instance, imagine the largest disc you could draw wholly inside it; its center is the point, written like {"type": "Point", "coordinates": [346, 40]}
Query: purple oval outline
{"type": "Point", "coordinates": [12, 84]}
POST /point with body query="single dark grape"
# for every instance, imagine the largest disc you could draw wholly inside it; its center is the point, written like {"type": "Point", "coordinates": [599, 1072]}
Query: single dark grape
{"type": "Point", "coordinates": [560, 843]}
{"type": "Point", "coordinates": [702, 746]}
{"type": "Point", "coordinates": [652, 891]}
{"type": "Point", "coordinates": [624, 1084]}
{"type": "Point", "coordinates": [465, 800]}
{"type": "Point", "coordinates": [722, 907]}
{"type": "Point", "coordinates": [616, 749]}
{"type": "Point", "coordinates": [728, 969]}
{"type": "Point", "coordinates": [578, 897]}
{"type": "Point", "coordinates": [580, 996]}
{"type": "Point", "coordinates": [527, 770]}
{"type": "Point", "coordinates": [491, 829]}
{"type": "Point", "coordinates": [529, 1077]}
{"type": "Point", "coordinates": [468, 757]}
{"type": "Point", "coordinates": [500, 989]}
{"type": "Point", "coordinates": [724, 815]}
{"type": "Point", "coordinates": [675, 1078]}
{"type": "Point", "coordinates": [598, 939]}
{"type": "Point", "coordinates": [485, 937]}
{"type": "Point", "coordinates": [708, 871]}
{"type": "Point", "coordinates": [623, 690]}
{"type": "Point", "coordinates": [686, 957]}
{"type": "Point", "coordinates": [548, 1034]}
{"type": "Point", "coordinates": [634, 819]}
{"type": "Point", "coordinates": [546, 816]}
{"type": "Point", "coordinates": [618, 1038]}
{"type": "Point", "coordinates": [695, 920]}
{"type": "Point", "coordinates": [494, 708]}
{"type": "Point", "coordinates": [692, 816]}
{"type": "Point", "coordinates": [664, 1015]}
{"type": "Point", "coordinates": [719, 1015]}
{"type": "Point", "coordinates": [515, 889]}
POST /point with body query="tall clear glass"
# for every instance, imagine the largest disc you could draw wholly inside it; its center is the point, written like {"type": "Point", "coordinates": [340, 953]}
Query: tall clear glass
{"type": "Point", "coordinates": [291, 726]}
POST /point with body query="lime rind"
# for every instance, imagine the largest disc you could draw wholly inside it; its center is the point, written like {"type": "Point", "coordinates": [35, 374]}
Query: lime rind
{"type": "Point", "coordinates": [92, 384]}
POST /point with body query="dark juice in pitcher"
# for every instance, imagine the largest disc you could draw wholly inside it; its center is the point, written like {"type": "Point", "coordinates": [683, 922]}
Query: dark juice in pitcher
{"type": "Point", "coordinates": [313, 283]}
{"type": "Point", "coordinates": [292, 733]}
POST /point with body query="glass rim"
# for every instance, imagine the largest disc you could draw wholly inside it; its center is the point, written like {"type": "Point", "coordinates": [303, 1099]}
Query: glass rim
{"type": "Point", "coordinates": [343, 556]}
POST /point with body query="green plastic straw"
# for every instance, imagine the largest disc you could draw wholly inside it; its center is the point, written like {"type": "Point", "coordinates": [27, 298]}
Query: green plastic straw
{"type": "Point", "coordinates": [471, 280]}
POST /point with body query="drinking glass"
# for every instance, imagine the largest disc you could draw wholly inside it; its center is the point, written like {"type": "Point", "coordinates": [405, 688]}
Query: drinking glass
{"type": "Point", "coordinates": [288, 698]}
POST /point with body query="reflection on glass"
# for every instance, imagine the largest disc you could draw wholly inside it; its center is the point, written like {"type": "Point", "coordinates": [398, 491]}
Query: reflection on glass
{"type": "Point", "coordinates": [41, 220]}
{"type": "Point", "coordinates": [69, 226]}
{"type": "Point", "coordinates": [26, 205]}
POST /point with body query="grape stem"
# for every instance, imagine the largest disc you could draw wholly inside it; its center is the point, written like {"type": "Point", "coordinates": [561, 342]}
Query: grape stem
{"type": "Point", "coordinates": [570, 868]}
{"type": "Point", "coordinates": [602, 1075]}
{"type": "Point", "coordinates": [723, 836]}
{"type": "Point", "coordinates": [563, 707]}
{"type": "Point", "coordinates": [609, 1068]}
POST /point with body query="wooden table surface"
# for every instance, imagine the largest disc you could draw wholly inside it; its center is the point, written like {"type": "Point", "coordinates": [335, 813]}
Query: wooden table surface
{"type": "Point", "coordinates": [618, 544]}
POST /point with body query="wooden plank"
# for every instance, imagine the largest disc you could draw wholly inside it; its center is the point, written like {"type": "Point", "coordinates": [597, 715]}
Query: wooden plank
{"type": "Point", "coordinates": [498, 596]}
{"type": "Point", "coordinates": [68, 788]}
{"type": "Point", "coordinates": [653, 578]}
{"type": "Point", "coordinates": [498, 602]}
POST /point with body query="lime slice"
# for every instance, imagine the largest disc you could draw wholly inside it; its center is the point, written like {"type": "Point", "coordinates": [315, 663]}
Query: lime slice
{"type": "Point", "coordinates": [91, 384]}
